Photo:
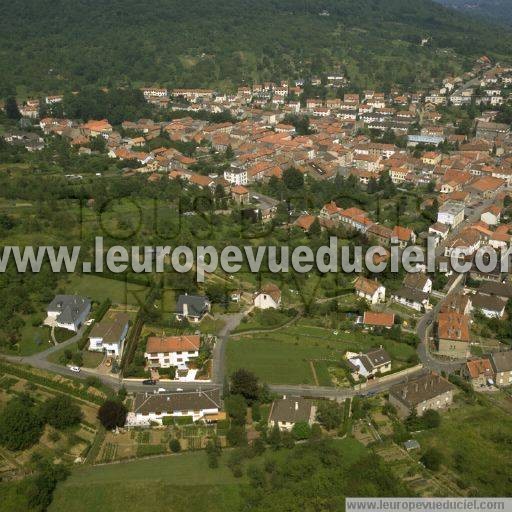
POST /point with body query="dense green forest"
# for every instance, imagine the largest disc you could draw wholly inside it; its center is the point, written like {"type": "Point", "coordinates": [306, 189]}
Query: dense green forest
{"type": "Point", "coordinates": [57, 45]}
{"type": "Point", "coordinates": [496, 10]}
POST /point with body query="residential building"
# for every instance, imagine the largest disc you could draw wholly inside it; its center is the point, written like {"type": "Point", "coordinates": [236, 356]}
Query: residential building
{"type": "Point", "coordinates": [68, 312]}
{"type": "Point", "coordinates": [419, 394]}
{"type": "Point", "coordinates": [411, 297]}
{"type": "Point", "coordinates": [489, 305]}
{"type": "Point", "coordinates": [288, 411]}
{"type": "Point", "coordinates": [368, 364]}
{"type": "Point", "coordinates": [479, 372]}
{"type": "Point", "coordinates": [167, 351]}
{"type": "Point", "coordinates": [269, 297]}
{"type": "Point", "coordinates": [453, 334]}
{"type": "Point", "coordinates": [151, 408]}
{"type": "Point", "coordinates": [374, 319]}
{"type": "Point", "coordinates": [109, 334]}
{"type": "Point", "coordinates": [372, 291]}
{"type": "Point", "coordinates": [192, 307]}
{"type": "Point", "coordinates": [451, 213]}
{"type": "Point", "coordinates": [502, 367]}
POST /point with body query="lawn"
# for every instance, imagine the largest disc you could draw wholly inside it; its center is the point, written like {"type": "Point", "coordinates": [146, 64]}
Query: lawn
{"type": "Point", "coordinates": [101, 288]}
{"type": "Point", "coordinates": [477, 444]}
{"type": "Point", "coordinates": [91, 359]}
{"type": "Point", "coordinates": [285, 356]}
{"type": "Point", "coordinates": [171, 484]}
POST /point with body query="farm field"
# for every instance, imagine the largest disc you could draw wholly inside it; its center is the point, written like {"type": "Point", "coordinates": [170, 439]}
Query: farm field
{"type": "Point", "coordinates": [286, 356]}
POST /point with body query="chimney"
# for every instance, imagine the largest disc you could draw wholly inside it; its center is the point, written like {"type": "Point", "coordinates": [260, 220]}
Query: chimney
{"type": "Point", "coordinates": [296, 406]}
{"type": "Point", "coordinates": [185, 309]}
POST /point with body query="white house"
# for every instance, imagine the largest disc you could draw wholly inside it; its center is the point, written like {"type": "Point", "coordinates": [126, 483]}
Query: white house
{"type": "Point", "coordinates": [489, 305]}
{"type": "Point", "coordinates": [368, 364]}
{"type": "Point", "coordinates": [236, 176]}
{"type": "Point", "coordinates": [269, 297]}
{"type": "Point", "coordinates": [109, 335]}
{"type": "Point", "coordinates": [451, 213]}
{"type": "Point", "coordinates": [411, 298]}
{"type": "Point", "coordinates": [372, 291]}
{"type": "Point", "coordinates": [164, 352]}
{"type": "Point", "coordinates": [153, 408]}
{"type": "Point", "coordinates": [418, 281]}
{"type": "Point", "coordinates": [68, 312]}
{"type": "Point", "coordinates": [491, 216]}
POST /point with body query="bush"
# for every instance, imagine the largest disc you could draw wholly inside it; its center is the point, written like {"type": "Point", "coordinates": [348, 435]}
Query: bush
{"type": "Point", "coordinates": [432, 459]}
{"type": "Point", "coordinates": [329, 415]}
{"type": "Point", "coordinates": [175, 445]}
{"type": "Point", "coordinates": [301, 431]}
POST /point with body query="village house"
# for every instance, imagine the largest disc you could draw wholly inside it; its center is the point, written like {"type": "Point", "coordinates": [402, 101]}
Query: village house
{"type": "Point", "coordinates": [68, 312]}
{"type": "Point", "coordinates": [411, 298]}
{"type": "Point", "coordinates": [268, 297]}
{"type": "Point", "coordinates": [489, 305]}
{"type": "Point", "coordinates": [109, 334]}
{"type": "Point", "coordinates": [453, 335]}
{"type": "Point", "coordinates": [240, 194]}
{"type": "Point", "coordinates": [418, 281]}
{"type": "Point", "coordinates": [451, 214]}
{"type": "Point", "coordinates": [288, 411]}
{"type": "Point", "coordinates": [192, 308]}
{"type": "Point", "coordinates": [502, 368]}
{"type": "Point", "coordinates": [479, 372]}
{"type": "Point", "coordinates": [151, 408]}
{"type": "Point", "coordinates": [429, 391]}
{"type": "Point", "coordinates": [377, 320]}
{"type": "Point", "coordinates": [368, 364]}
{"type": "Point", "coordinates": [167, 351]}
{"type": "Point", "coordinates": [371, 291]}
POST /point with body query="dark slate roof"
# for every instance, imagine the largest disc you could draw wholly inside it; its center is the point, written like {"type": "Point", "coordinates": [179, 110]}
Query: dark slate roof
{"type": "Point", "coordinates": [502, 361]}
{"type": "Point", "coordinates": [499, 289]}
{"type": "Point", "coordinates": [70, 307]}
{"type": "Point", "coordinates": [411, 294]}
{"type": "Point", "coordinates": [489, 302]}
{"type": "Point", "coordinates": [291, 410]}
{"type": "Point", "coordinates": [197, 304]}
{"type": "Point", "coordinates": [183, 401]}
{"type": "Point", "coordinates": [417, 390]}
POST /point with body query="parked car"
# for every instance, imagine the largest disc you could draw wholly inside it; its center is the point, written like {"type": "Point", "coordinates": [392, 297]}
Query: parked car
{"type": "Point", "coordinates": [161, 390]}
{"type": "Point", "coordinates": [75, 369]}
{"type": "Point", "coordinates": [149, 382]}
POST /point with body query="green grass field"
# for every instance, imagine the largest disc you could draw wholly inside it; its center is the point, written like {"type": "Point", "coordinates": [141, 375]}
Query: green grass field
{"type": "Point", "coordinates": [101, 288]}
{"type": "Point", "coordinates": [177, 483]}
{"type": "Point", "coordinates": [284, 356]}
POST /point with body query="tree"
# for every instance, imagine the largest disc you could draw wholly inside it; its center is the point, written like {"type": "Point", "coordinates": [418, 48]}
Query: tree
{"type": "Point", "coordinates": [236, 435]}
{"type": "Point", "coordinates": [41, 486]}
{"type": "Point", "coordinates": [329, 414]}
{"type": "Point", "coordinates": [432, 459]}
{"type": "Point", "coordinates": [315, 229]}
{"type": "Point", "coordinates": [11, 108]}
{"type": "Point", "coordinates": [175, 445]}
{"type": "Point", "coordinates": [112, 414]}
{"type": "Point", "coordinates": [236, 407]}
{"type": "Point", "coordinates": [20, 425]}
{"type": "Point", "coordinates": [245, 383]}
{"type": "Point", "coordinates": [213, 451]}
{"type": "Point", "coordinates": [61, 412]}
{"type": "Point", "coordinates": [274, 438]}
{"type": "Point", "coordinates": [293, 179]}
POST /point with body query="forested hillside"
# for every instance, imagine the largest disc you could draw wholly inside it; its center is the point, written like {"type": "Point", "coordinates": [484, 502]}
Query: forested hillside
{"type": "Point", "coordinates": [51, 45]}
{"type": "Point", "coordinates": [496, 10]}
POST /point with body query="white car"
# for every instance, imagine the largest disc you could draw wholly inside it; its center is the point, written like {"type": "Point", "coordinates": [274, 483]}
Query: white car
{"type": "Point", "coordinates": [161, 390]}
{"type": "Point", "coordinates": [75, 369]}
{"type": "Point", "coordinates": [179, 389]}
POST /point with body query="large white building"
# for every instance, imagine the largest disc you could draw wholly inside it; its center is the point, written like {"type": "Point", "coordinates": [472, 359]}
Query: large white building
{"type": "Point", "coordinates": [164, 352]}
{"type": "Point", "coordinates": [236, 176]}
{"type": "Point", "coordinates": [451, 213]}
{"type": "Point", "coordinates": [153, 408]}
